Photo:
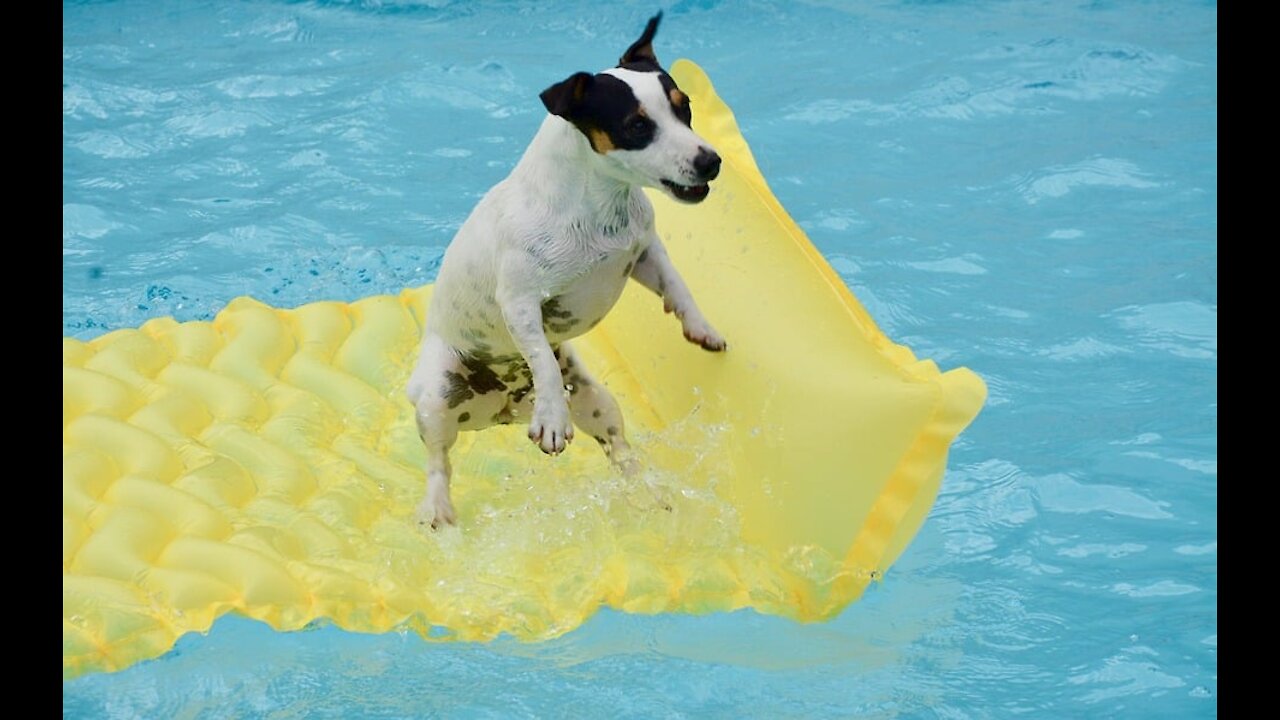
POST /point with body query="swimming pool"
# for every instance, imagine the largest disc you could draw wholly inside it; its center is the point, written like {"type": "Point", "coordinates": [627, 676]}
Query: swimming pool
{"type": "Point", "coordinates": [1028, 189]}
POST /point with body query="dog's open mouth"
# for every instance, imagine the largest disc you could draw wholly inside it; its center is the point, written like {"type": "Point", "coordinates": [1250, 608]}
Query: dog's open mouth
{"type": "Point", "coordinates": [688, 193]}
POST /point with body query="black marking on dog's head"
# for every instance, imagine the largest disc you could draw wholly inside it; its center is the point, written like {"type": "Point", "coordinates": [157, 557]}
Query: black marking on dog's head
{"type": "Point", "coordinates": [679, 101]}
{"type": "Point", "coordinates": [639, 56]}
{"type": "Point", "coordinates": [464, 417]}
{"type": "Point", "coordinates": [606, 110]}
{"type": "Point", "coordinates": [603, 108]}
{"type": "Point", "coordinates": [565, 96]}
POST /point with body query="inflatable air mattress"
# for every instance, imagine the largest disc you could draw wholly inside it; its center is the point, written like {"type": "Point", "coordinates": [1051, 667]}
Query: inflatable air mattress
{"type": "Point", "coordinates": [267, 463]}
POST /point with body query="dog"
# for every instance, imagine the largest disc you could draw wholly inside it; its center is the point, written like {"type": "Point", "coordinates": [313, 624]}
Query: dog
{"type": "Point", "coordinates": [545, 255]}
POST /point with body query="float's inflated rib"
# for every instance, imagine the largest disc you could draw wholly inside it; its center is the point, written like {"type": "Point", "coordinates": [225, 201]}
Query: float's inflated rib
{"type": "Point", "coordinates": [267, 462]}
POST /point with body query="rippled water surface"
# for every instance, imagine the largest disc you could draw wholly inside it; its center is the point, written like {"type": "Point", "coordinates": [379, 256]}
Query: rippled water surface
{"type": "Point", "coordinates": [1028, 189]}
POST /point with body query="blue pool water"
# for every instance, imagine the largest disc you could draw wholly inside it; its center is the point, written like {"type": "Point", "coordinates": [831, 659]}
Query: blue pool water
{"type": "Point", "coordinates": [1025, 188]}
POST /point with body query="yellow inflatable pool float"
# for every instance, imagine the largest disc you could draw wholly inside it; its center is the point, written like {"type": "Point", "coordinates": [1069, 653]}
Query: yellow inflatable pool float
{"type": "Point", "coordinates": [267, 463]}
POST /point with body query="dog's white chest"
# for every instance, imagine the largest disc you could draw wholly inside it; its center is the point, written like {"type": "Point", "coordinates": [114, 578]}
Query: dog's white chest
{"type": "Point", "coordinates": [583, 303]}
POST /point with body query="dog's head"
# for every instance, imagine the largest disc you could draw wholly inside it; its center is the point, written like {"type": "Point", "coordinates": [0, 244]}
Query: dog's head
{"type": "Point", "coordinates": [638, 122]}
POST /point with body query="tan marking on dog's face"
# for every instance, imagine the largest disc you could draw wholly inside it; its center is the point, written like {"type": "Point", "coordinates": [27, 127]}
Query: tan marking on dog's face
{"type": "Point", "coordinates": [600, 141]}
{"type": "Point", "coordinates": [678, 98]}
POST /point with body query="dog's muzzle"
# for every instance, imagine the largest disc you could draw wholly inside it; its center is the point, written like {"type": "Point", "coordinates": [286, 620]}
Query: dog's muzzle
{"type": "Point", "coordinates": [706, 165]}
{"type": "Point", "coordinates": [688, 193]}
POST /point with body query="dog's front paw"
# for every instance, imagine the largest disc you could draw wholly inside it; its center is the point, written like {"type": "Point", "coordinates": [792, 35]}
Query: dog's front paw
{"type": "Point", "coordinates": [701, 333]}
{"type": "Point", "coordinates": [435, 512]}
{"type": "Point", "coordinates": [550, 428]}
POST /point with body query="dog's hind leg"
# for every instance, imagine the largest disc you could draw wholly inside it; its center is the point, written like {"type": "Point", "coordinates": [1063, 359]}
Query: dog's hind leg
{"type": "Point", "coordinates": [437, 389]}
{"type": "Point", "coordinates": [595, 412]}
{"type": "Point", "coordinates": [436, 508]}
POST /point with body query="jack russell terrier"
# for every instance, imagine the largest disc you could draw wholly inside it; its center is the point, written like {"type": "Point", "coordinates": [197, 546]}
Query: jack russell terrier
{"type": "Point", "coordinates": [546, 254]}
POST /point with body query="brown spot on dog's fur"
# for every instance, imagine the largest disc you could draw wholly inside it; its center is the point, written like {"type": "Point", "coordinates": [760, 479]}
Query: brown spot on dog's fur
{"type": "Point", "coordinates": [464, 417]}
{"type": "Point", "coordinates": [595, 413]}
{"type": "Point", "coordinates": [456, 389]}
{"type": "Point", "coordinates": [678, 98]}
{"type": "Point", "coordinates": [551, 308]}
{"type": "Point", "coordinates": [561, 327]}
{"type": "Point", "coordinates": [482, 379]}
{"type": "Point", "coordinates": [517, 394]}
{"type": "Point", "coordinates": [600, 140]}
{"type": "Point", "coordinates": [612, 431]}
{"type": "Point", "coordinates": [567, 367]}
{"type": "Point", "coordinates": [557, 319]}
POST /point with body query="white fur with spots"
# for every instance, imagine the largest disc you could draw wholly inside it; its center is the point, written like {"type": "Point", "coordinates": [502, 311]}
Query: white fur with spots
{"type": "Point", "coordinates": [568, 225]}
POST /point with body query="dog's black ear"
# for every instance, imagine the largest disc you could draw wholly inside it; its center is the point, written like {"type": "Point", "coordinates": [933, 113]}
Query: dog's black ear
{"type": "Point", "coordinates": [641, 51]}
{"type": "Point", "coordinates": [566, 96]}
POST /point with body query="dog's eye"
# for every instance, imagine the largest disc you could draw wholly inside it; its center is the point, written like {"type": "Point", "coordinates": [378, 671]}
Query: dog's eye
{"type": "Point", "coordinates": [637, 126]}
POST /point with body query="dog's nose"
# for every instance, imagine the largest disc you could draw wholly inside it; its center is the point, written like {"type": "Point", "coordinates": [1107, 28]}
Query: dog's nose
{"type": "Point", "coordinates": [707, 164]}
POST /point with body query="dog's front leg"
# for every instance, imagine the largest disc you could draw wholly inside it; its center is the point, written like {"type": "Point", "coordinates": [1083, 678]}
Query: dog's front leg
{"type": "Point", "coordinates": [550, 428]}
{"type": "Point", "coordinates": [655, 271]}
